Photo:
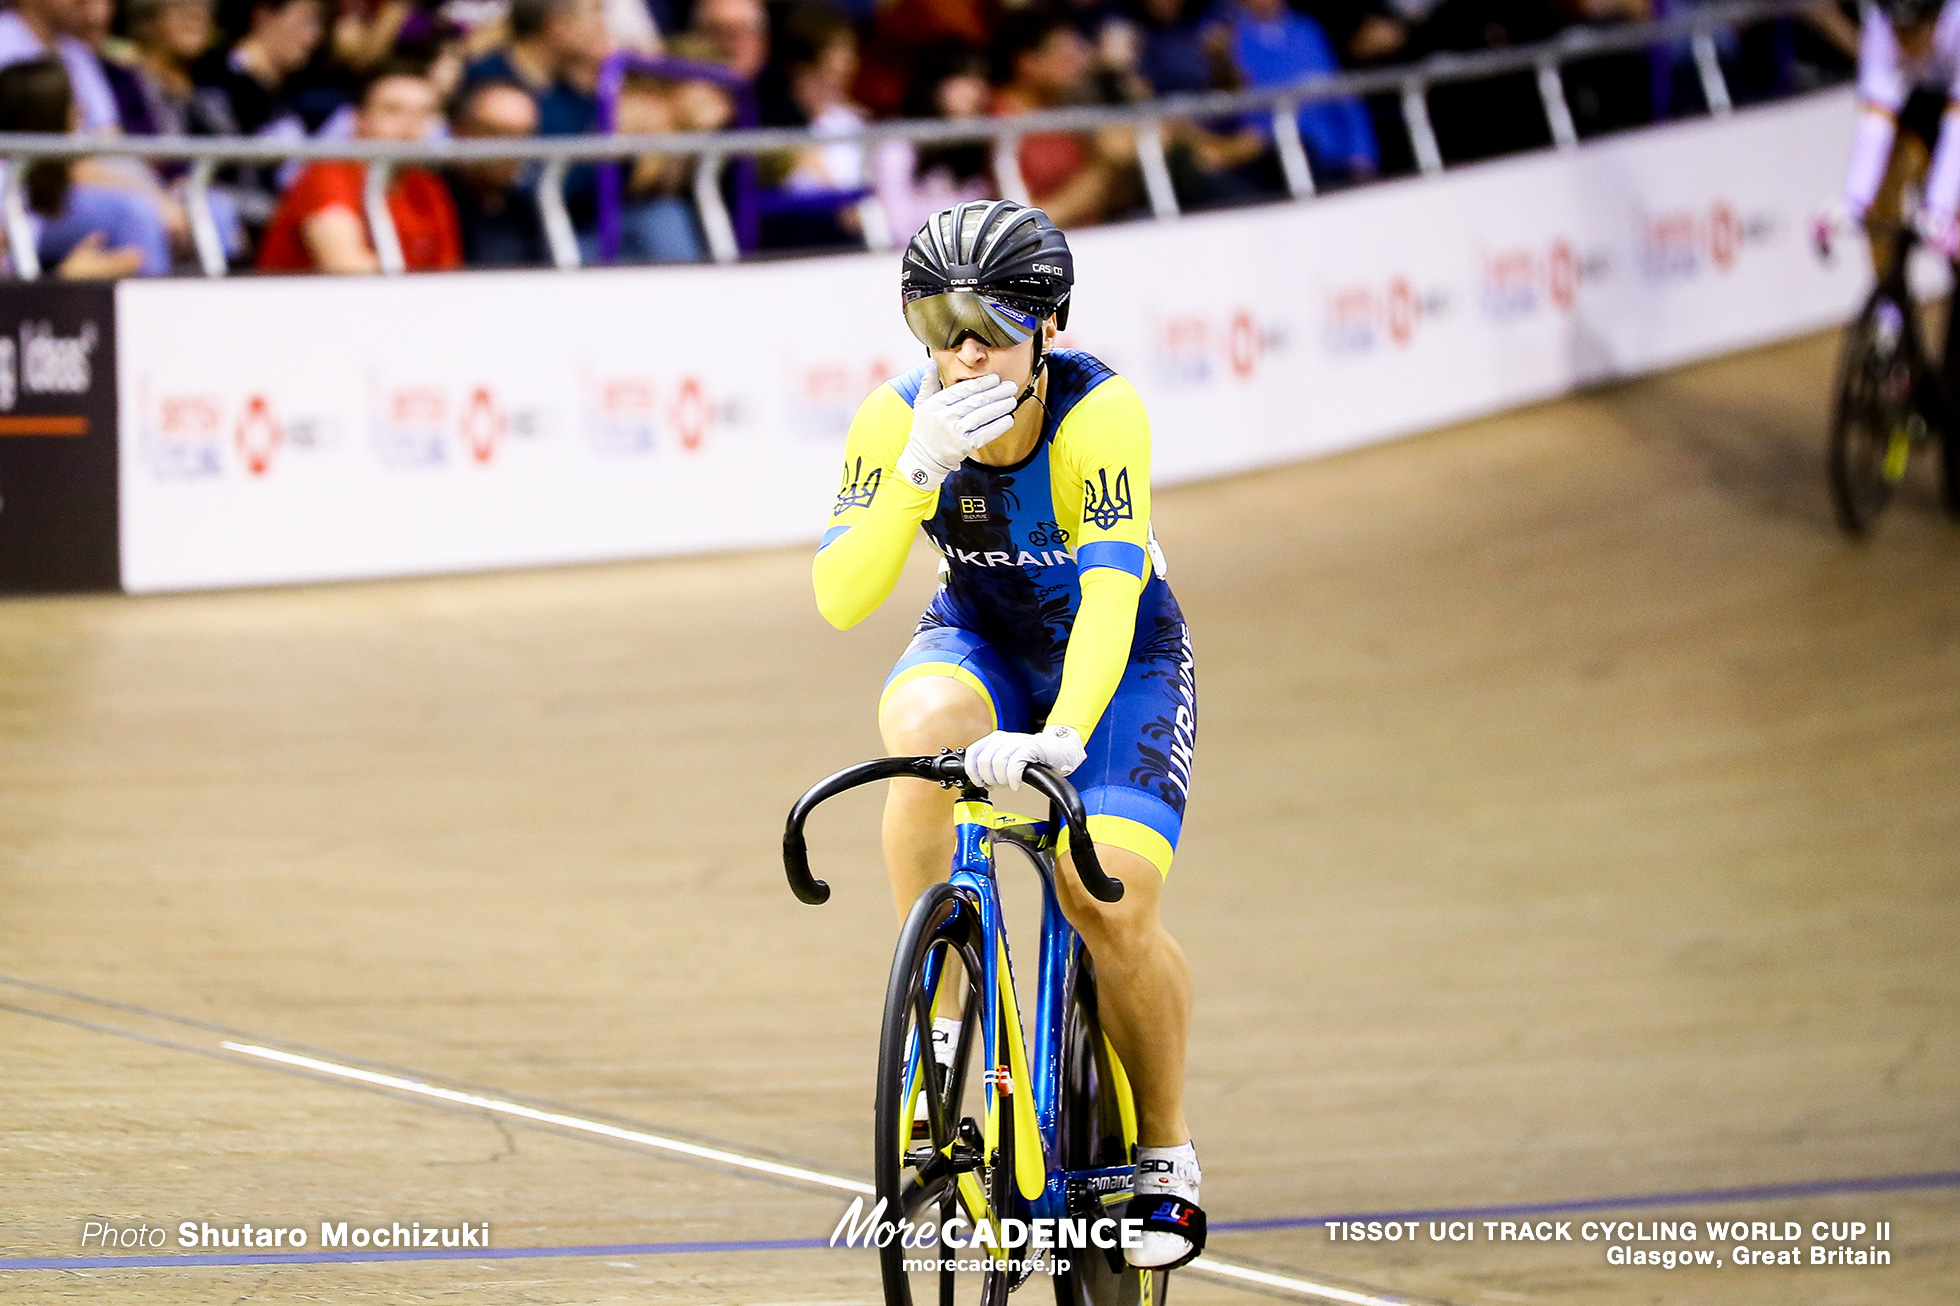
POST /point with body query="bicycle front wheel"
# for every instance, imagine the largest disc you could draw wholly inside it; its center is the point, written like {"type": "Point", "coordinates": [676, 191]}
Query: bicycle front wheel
{"type": "Point", "coordinates": [1875, 414]}
{"type": "Point", "coordinates": [933, 1165]}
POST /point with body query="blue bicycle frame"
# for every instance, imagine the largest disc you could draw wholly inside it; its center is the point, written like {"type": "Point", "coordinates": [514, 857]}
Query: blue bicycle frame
{"type": "Point", "coordinates": [1039, 1178]}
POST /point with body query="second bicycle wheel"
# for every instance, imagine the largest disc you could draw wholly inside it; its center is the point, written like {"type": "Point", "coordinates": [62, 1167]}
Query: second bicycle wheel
{"type": "Point", "coordinates": [932, 1160]}
{"type": "Point", "coordinates": [1873, 420]}
{"type": "Point", "coordinates": [1095, 1131]}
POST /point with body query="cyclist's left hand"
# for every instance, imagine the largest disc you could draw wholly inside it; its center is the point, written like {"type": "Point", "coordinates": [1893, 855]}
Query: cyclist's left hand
{"type": "Point", "coordinates": [1001, 757]}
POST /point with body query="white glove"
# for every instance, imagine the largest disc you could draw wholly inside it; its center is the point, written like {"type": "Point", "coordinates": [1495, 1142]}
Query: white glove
{"type": "Point", "coordinates": [1000, 758]}
{"type": "Point", "coordinates": [949, 424]}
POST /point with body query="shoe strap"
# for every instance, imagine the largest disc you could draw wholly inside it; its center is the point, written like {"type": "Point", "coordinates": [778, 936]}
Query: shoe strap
{"type": "Point", "coordinates": [1172, 1215]}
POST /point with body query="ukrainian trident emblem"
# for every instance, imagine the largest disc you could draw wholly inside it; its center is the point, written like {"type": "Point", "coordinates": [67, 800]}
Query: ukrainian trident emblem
{"type": "Point", "coordinates": [1104, 506]}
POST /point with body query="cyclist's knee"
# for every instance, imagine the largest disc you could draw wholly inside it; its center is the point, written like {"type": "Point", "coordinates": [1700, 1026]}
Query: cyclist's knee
{"type": "Point", "coordinates": [932, 713]}
{"type": "Point", "coordinates": [1118, 925]}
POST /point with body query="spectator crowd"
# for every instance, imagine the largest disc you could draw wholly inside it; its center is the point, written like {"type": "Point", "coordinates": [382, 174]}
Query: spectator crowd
{"type": "Point", "coordinates": [417, 70]}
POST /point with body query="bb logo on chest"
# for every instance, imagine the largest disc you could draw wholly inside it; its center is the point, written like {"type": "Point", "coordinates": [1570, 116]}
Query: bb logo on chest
{"type": "Point", "coordinates": [973, 508]}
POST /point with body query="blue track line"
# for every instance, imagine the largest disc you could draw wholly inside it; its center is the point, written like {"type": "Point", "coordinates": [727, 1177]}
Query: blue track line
{"type": "Point", "coordinates": [1691, 1197]}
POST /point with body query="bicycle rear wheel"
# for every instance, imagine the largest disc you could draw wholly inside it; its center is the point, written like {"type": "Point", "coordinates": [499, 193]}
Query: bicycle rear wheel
{"type": "Point", "coordinates": [1876, 418]}
{"type": "Point", "coordinates": [1093, 1133]}
{"type": "Point", "coordinates": [942, 1171]}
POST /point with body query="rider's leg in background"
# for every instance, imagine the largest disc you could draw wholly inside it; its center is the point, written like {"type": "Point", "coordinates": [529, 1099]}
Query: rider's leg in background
{"type": "Point", "coordinates": [1906, 168]}
{"type": "Point", "coordinates": [922, 717]}
{"type": "Point", "coordinates": [1143, 986]}
{"type": "Point", "coordinates": [1950, 351]}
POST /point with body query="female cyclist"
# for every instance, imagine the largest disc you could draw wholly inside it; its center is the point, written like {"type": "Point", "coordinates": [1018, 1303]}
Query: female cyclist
{"type": "Point", "coordinates": [1052, 638]}
{"type": "Point", "coordinates": [1908, 76]}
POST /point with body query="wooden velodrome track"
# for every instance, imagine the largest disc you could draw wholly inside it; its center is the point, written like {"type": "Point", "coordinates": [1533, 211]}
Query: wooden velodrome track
{"type": "Point", "coordinates": [1577, 817]}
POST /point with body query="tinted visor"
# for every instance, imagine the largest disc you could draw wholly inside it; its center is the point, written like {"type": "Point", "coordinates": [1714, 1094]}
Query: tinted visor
{"type": "Point", "coordinates": [942, 321]}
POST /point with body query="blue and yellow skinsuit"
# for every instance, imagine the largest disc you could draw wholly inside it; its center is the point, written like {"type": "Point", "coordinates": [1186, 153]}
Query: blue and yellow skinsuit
{"type": "Point", "coordinates": [1052, 606]}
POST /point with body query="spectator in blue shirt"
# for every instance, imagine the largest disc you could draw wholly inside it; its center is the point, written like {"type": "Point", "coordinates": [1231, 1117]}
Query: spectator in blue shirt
{"type": "Point", "coordinates": [1277, 46]}
{"type": "Point", "coordinates": [554, 52]}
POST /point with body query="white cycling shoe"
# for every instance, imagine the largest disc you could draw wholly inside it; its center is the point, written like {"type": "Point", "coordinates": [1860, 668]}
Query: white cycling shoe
{"type": "Point", "coordinates": [1165, 1198]}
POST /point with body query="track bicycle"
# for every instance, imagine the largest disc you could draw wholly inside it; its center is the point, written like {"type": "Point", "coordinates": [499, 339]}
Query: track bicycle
{"type": "Point", "coordinates": [1056, 1129]}
{"type": "Point", "coordinates": [1890, 399]}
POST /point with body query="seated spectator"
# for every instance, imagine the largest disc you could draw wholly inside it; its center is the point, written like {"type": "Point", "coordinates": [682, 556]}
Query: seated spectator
{"type": "Point", "coordinates": [33, 29]}
{"type": "Point", "coordinates": [904, 33]}
{"type": "Point", "coordinates": [819, 55]}
{"type": "Point", "coordinates": [1077, 178]}
{"type": "Point", "coordinates": [1180, 50]}
{"type": "Point", "coordinates": [132, 111]}
{"type": "Point", "coordinates": [811, 85]}
{"type": "Point", "coordinates": [119, 193]}
{"type": "Point", "coordinates": [246, 91]}
{"type": "Point", "coordinates": [496, 215]}
{"type": "Point", "coordinates": [367, 31]}
{"type": "Point", "coordinates": [657, 219]}
{"type": "Point", "coordinates": [81, 231]}
{"type": "Point", "coordinates": [634, 26]}
{"type": "Point", "coordinates": [554, 52]}
{"type": "Point", "coordinates": [1277, 46]}
{"type": "Point", "coordinates": [1616, 91]}
{"type": "Point", "coordinates": [92, 21]}
{"type": "Point", "coordinates": [321, 224]}
{"type": "Point", "coordinates": [169, 37]}
{"type": "Point", "coordinates": [242, 91]}
{"type": "Point", "coordinates": [914, 182]}
{"type": "Point", "coordinates": [1496, 115]}
{"type": "Point", "coordinates": [738, 33]}
{"type": "Point", "coordinates": [1367, 32]}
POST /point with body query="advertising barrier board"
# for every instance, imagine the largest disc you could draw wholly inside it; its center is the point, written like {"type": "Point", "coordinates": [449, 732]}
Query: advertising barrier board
{"type": "Point", "coordinates": [304, 429]}
{"type": "Point", "coordinates": [57, 438]}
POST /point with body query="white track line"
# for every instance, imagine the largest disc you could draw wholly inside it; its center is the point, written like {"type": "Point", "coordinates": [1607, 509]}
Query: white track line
{"type": "Point", "coordinates": [558, 1119]}
{"type": "Point", "coordinates": [1286, 1283]}
{"type": "Point", "coordinates": [517, 1110]}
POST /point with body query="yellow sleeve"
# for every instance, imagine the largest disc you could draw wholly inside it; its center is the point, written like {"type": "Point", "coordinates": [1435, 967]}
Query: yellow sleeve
{"type": "Point", "coordinates": [1102, 478]}
{"type": "Point", "coordinates": [875, 517]}
{"type": "Point", "coordinates": [1102, 463]}
{"type": "Point", "coordinates": [1098, 649]}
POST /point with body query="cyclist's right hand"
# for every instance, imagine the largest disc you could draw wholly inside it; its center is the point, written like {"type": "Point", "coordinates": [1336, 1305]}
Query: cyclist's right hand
{"type": "Point", "coordinates": [950, 423]}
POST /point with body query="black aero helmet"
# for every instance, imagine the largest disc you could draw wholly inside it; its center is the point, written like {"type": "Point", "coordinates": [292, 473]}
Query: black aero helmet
{"type": "Point", "coordinates": [997, 248]}
{"type": "Point", "coordinates": [1909, 13]}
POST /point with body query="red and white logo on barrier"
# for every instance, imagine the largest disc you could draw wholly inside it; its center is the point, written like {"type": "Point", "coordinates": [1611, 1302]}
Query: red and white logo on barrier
{"type": "Point", "coordinates": [1520, 280]}
{"type": "Point", "coordinates": [1194, 349]}
{"type": "Point", "coordinates": [257, 436]}
{"type": "Point", "coordinates": [620, 413]}
{"type": "Point", "coordinates": [182, 434]}
{"type": "Point", "coordinates": [482, 426]}
{"type": "Point", "coordinates": [693, 415]}
{"type": "Point", "coordinates": [1678, 243]}
{"type": "Point", "coordinates": [1363, 317]}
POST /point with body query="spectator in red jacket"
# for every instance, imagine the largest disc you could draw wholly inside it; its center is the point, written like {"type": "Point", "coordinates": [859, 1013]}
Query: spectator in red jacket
{"type": "Point", "coordinates": [321, 225]}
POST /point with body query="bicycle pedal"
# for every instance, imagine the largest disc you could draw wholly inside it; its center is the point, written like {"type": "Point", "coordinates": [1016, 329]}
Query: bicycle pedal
{"type": "Point", "coordinates": [933, 1165]}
